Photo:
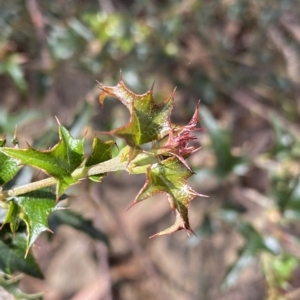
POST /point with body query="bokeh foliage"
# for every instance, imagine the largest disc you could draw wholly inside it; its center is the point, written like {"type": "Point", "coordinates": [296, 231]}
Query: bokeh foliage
{"type": "Point", "coordinates": [239, 57]}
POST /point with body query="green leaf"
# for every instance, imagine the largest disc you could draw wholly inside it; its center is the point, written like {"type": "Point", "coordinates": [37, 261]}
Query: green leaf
{"type": "Point", "coordinates": [101, 151]}
{"type": "Point", "coordinates": [282, 267]}
{"type": "Point", "coordinates": [254, 245]}
{"type": "Point", "coordinates": [59, 162]}
{"type": "Point", "coordinates": [2, 142]}
{"type": "Point", "coordinates": [8, 166]}
{"type": "Point", "coordinates": [11, 284]}
{"type": "Point", "coordinates": [149, 121]}
{"type": "Point", "coordinates": [74, 219]}
{"type": "Point", "coordinates": [12, 67]}
{"type": "Point", "coordinates": [12, 256]}
{"type": "Point", "coordinates": [12, 216]}
{"type": "Point", "coordinates": [35, 208]}
{"type": "Point", "coordinates": [233, 272]}
{"type": "Point", "coordinates": [169, 177]}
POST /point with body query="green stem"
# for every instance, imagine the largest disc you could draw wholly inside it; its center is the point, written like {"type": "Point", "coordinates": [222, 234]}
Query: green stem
{"type": "Point", "coordinates": [112, 165]}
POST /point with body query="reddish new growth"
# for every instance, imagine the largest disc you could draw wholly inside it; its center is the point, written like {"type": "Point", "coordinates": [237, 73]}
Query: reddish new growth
{"type": "Point", "coordinates": [151, 122]}
{"type": "Point", "coordinates": [179, 140]}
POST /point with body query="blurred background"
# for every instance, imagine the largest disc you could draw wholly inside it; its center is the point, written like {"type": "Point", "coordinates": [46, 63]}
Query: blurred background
{"type": "Point", "coordinates": [241, 58]}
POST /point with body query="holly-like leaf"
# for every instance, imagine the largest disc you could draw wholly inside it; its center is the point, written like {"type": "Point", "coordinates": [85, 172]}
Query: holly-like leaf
{"type": "Point", "coordinates": [120, 91]}
{"type": "Point", "coordinates": [59, 162]}
{"type": "Point", "coordinates": [33, 208]}
{"type": "Point", "coordinates": [8, 166]}
{"type": "Point", "coordinates": [12, 256]}
{"type": "Point", "coordinates": [12, 216]}
{"type": "Point", "coordinates": [77, 221]}
{"type": "Point", "coordinates": [169, 177]}
{"type": "Point", "coordinates": [11, 285]}
{"type": "Point", "coordinates": [101, 151]}
{"type": "Point", "coordinates": [149, 120]}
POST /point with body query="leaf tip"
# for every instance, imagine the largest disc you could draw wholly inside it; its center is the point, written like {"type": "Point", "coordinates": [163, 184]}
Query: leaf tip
{"type": "Point", "coordinates": [15, 139]}
{"type": "Point", "coordinates": [27, 251]}
{"type": "Point", "coordinates": [57, 121]}
{"type": "Point", "coordinates": [152, 87]}
{"type": "Point", "coordinates": [85, 133]}
{"type": "Point", "coordinates": [131, 205]}
{"type": "Point", "coordinates": [201, 195]}
{"type": "Point", "coordinates": [174, 91]}
{"type": "Point", "coordinates": [28, 145]}
{"type": "Point", "coordinates": [102, 96]}
{"type": "Point", "coordinates": [49, 230]}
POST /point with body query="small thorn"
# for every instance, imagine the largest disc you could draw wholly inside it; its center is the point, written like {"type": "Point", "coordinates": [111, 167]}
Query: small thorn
{"type": "Point", "coordinates": [121, 76]}
{"type": "Point", "coordinates": [26, 253]}
{"type": "Point", "coordinates": [57, 121]}
{"type": "Point", "coordinates": [174, 91]}
{"type": "Point", "coordinates": [49, 230]}
{"type": "Point", "coordinates": [152, 87]}
{"type": "Point", "coordinates": [15, 139]}
{"type": "Point", "coordinates": [190, 230]}
{"type": "Point", "coordinates": [15, 132]}
{"type": "Point", "coordinates": [201, 195]}
{"type": "Point", "coordinates": [153, 236]}
{"type": "Point", "coordinates": [100, 84]}
{"type": "Point", "coordinates": [85, 133]}
{"type": "Point", "coordinates": [131, 205]}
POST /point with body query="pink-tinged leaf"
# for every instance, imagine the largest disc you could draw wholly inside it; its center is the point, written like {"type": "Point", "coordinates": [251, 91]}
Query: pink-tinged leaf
{"type": "Point", "coordinates": [119, 91]}
{"type": "Point", "coordinates": [181, 142]}
{"type": "Point", "coordinates": [180, 223]}
{"type": "Point", "coordinates": [169, 177]}
{"type": "Point", "coordinates": [148, 120]}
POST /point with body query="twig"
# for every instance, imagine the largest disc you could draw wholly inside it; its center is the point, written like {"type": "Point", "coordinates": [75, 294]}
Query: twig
{"type": "Point", "coordinates": [248, 100]}
{"type": "Point", "coordinates": [293, 295]}
{"type": "Point", "coordinates": [135, 247]}
{"type": "Point", "coordinates": [38, 23]}
{"type": "Point", "coordinates": [257, 198]}
{"type": "Point", "coordinates": [291, 57]}
{"type": "Point", "coordinates": [106, 5]}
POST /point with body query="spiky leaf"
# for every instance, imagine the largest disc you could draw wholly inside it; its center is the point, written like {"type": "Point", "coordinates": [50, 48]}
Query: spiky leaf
{"type": "Point", "coordinates": [12, 256]}
{"type": "Point", "coordinates": [169, 177]}
{"type": "Point", "coordinates": [101, 151]}
{"type": "Point", "coordinates": [11, 285]}
{"type": "Point", "coordinates": [8, 166]}
{"type": "Point", "coordinates": [12, 216]}
{"type": "Point", "coordinates": [34, 209]}
{"type": "Point", "coordinates": [59, 162]}
{"type": "Point", "coordinates": [149, 120]}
